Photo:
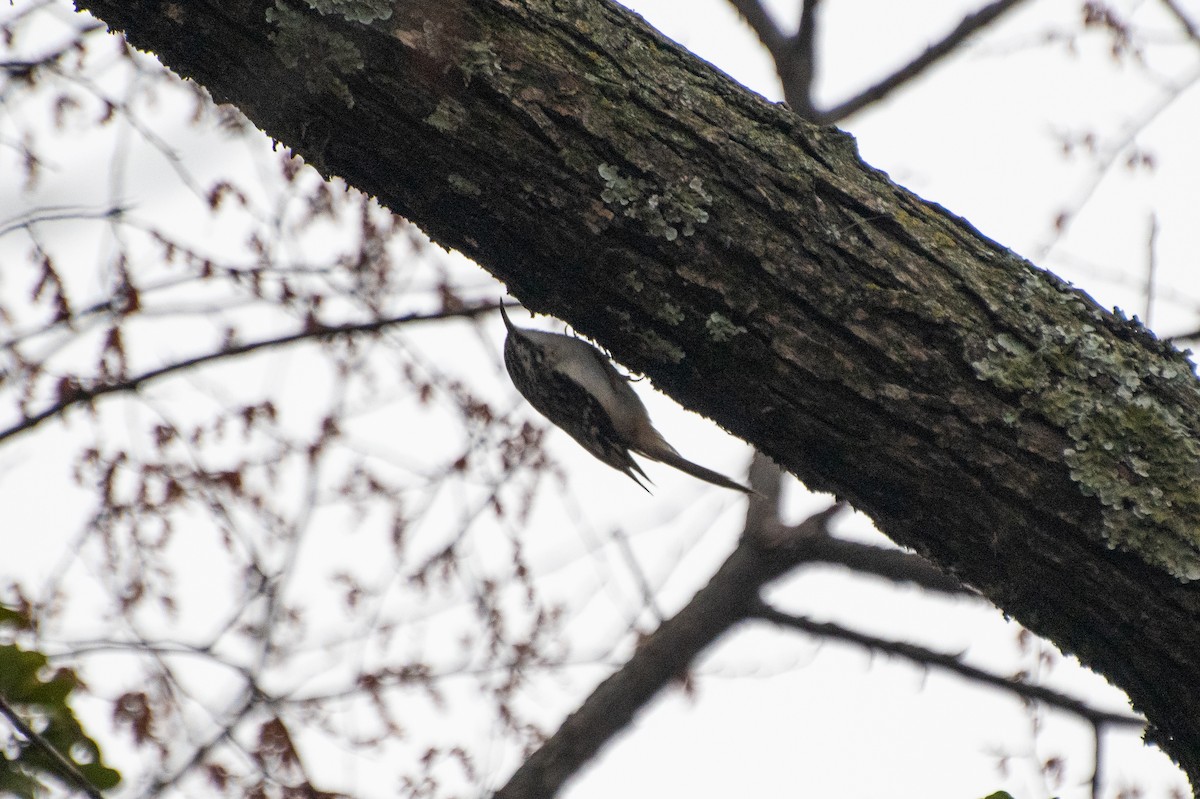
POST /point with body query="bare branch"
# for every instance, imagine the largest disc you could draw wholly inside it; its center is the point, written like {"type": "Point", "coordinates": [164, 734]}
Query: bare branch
{"type": "Point", "coordinates": [756, 16]}
{"type": "Point", "coordinates": [649, 601]}
{"type": "Point", "coordinates": [58, 213]}
{"type": "Point", "coordinates": [766, 478]}
{"type": "Point", "coordinates": [1151, 268]}
{"type": "Point", "coordinates": [794, 56]}
{"type": "Point", "coordinates": [84, 394]}
{"type": "Point", "coordinates": [797, 68]}
{"type": "Point", "coordinates": [1182, 338]}
{"type": "Point", "coordinates": [728, 598]}
{"type": "Point", "coordinates": [890, 563]}
{"type": "Point", "coordinates": [894, 565]}
{"type": "Point", "coordinates": [951, 663]}
{"type": "Point", "coordinates": [1107, 158]}
{"type": "Point", "coordinates": [932, 55]}
{"type": "Point", "coordinates": [248, 703]}
{"type": "Point", "coordinates": [1185, 21]}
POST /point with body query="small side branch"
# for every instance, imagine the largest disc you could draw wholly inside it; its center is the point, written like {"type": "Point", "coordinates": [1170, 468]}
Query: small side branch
{"type": "Point", "coordinates": [795, 56]}
{"type": "Point", "coordinates": [821, 546]}
{"type": "Point", "coordinates": [1184, 20]}
{"type": "Point", "coordinates": [797, 63]}
{"type": "Point", "coordinates": [86, 394]}
{"type": "Point", "coordinates": [951, 663]}
{"type": "Point", "coordinates": [729, 597]}
{"type": "Point", "coordinates": [969, 25]}
{"type": "Point", "coordinates": [756, 16]}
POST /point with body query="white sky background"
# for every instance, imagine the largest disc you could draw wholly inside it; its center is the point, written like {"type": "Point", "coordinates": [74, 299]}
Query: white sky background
{"type": "Point", "coordinates": [775, 714]}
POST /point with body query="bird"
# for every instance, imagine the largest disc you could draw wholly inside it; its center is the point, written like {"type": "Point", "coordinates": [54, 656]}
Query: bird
{"type": "Point", "coordinates": [575, 386]}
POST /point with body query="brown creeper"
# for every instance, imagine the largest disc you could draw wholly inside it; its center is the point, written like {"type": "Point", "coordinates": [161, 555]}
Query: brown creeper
{"type": "Point", "coordinates": [576, 387]}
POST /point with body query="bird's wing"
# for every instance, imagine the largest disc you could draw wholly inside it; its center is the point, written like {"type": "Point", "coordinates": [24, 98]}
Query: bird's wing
{"type": "Point", "coordinates": [583, 414]}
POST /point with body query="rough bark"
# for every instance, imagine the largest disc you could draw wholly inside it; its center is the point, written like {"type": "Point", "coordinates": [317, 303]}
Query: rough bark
{"type": "Point", "coordinates": [982, 412]}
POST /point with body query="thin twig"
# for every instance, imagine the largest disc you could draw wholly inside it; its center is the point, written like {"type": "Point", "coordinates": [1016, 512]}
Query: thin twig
{"type": "Point", "coordinates": [756, 16]}
{"type": "Point", "coordinates": [58, 213]}
{"type": "Point", "coordinates": [1151, 269]}
{"type": "Point", "coordinates": [1181, 338]}
{"type": "Point", "coordinates": [1107, 158]}
{"type": "Point", "coordinates": [160, 786]}
{"type": "Point", "coordinates": [946, 662]}
{"type": "Point", "coordinates": [889, 563]}
{"type": "Point", "coordinates": [933, 54]}
{"type": "Point", "coordinates": [86, 394]}
{"type": "Point", "coordinates": [1189, 27]}
{"type": "Point", "coordinates": [639, 574]}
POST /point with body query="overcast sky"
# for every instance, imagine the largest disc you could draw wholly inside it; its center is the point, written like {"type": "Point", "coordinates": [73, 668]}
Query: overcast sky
{"type": "Point", "coordinates": [773, 714]}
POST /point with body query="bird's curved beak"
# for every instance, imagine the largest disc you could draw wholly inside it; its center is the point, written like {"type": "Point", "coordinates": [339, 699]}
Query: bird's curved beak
{"type": "Point", "coordinates": [504, 315]}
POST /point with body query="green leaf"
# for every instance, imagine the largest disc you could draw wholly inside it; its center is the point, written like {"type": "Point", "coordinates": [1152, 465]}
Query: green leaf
{"type": "Point", "coordinates": [15, 782]}
{"type": "Point", "coordinates": [18, 669]}
{"type": "Point", "coordinates": [101, 775]}
{"type": "Point", "coordinates": [52, 692]}
{"type": "Point", "coordinates": [11, 617]}
{"type": "Point", "coordinates": [25, 767]}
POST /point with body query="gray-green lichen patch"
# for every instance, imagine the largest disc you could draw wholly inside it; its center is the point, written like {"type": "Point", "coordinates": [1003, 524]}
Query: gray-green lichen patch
{"type": "Point", "coordinates": [325, 56]}
{"type": "Point", "coordinates": [661, 349]}
{"type": "Point", "coordinates": [658, 348]}
{"type": "Point", "coordinates": [479, 59]}
{"type": "Point", "coordinates": [617, 189]}
{"type": "Point", "coordinates": [720, 328]}
{"type": "Point", "coordinates": [430, 39]}
{"type": "Point", "coordinates": [669, 312]}
{"type": "Point", "coordinates": [666, 211]}
{"type": "Point", "coordinates": [463, 185]}
{"type": "Point", "coordinates": [449, 115]}
{"type": "Point", "coordinates": [1130, 448]}
{"type": "Point", "coordinates": [364, 11]}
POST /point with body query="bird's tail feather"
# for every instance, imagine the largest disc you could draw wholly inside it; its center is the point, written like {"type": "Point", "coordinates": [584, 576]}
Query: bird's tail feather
{"type": "Point", "coordinates": [659, 450]}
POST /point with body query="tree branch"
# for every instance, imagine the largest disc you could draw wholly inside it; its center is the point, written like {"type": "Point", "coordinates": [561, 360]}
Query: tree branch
{"type": "Point", "coordinates": [84, 394]}
{"type": "Point", "coordinates": [161, 784]}
{"type": "Point", "coordinates": [759, 20]}
{"type": "Point", "coordinates": [797, 63]}
{"type": "Point", "coordinates": [661, 658]}
{"type": "Point", "coordinates": [794, 56]}
{"type": "Point", "coordinates": [950, 663]}
{"type": "Point", "coordinates": [894, 565]}
{"type": "Point", "coordinates": [59, 213]}
{"type": "Point", "coordinates": [1108, 155]}
{"type": "Point", "coordinates": [822, 546]}
{"type": "Point", "coordinates": [1184, 20]}
{"type": "Point", "coordinates": [932, 55]}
